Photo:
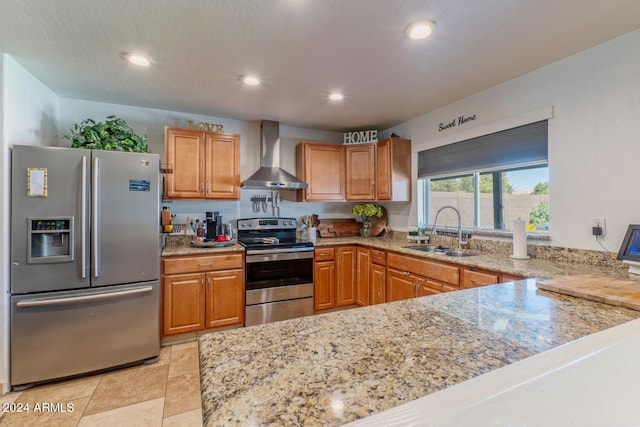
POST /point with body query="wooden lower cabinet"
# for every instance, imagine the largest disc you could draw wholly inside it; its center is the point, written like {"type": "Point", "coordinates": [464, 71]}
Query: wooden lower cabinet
{"type": "Point", "coordinates": [473, 278]}
{"type": "Point", "coordinates": [345, 275]}
{"type": "Point", "coordinates": [370, 286]}
{"type": "Point", "coordinates": [181, 296]}
{"type": "Point", "coordinates": [334, 277]}
{"type": "Point", "coordinates": [506, 277]}
{"type": "Point", "coordinates": [400, 285]}
{"type": "Point", "coordinates": [224, 298]}
{"type": "Point", "coordinates": [409, 277]}
{"type": "Point", "coordinates": [324, 274]}
{"type": "Point", "coordinates": [363, 276]}
{"type": "Point", "coordinates": [202, 292]}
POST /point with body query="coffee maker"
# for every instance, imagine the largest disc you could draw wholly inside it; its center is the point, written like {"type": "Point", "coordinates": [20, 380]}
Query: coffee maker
{"type": "Point", "coordinates": [214, 225]}
{"type": "Point", "coordinates": [211, 227]}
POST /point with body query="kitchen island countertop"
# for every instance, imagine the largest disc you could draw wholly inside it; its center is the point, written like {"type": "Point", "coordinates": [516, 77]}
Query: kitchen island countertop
{"type": "Point", "coordinates": [337, 367]}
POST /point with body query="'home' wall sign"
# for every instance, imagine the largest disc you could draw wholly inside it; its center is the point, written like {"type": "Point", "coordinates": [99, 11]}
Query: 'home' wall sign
{"type": "Point", "coordinates": [360, 137]}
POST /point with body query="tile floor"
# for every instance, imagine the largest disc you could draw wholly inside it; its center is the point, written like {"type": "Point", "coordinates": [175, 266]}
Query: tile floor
{"type": "Point", "coordinates": [164, 394]}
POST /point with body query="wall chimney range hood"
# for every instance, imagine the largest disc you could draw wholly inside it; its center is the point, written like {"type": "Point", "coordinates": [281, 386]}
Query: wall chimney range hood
{"type": "Point", "coordinates": [270, 175]}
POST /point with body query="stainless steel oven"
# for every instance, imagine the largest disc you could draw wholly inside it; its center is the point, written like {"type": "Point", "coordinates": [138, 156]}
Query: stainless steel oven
{"type": "Point", "coordinates": [278, 270]}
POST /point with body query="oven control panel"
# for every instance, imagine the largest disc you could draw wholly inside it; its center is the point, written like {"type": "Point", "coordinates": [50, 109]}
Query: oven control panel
{"type": "Point", "coordinates": [267, 224]}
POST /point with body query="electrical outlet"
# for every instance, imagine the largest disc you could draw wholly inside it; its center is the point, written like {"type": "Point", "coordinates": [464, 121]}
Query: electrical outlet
{"type": "Point", "coordinates": [598, 227]}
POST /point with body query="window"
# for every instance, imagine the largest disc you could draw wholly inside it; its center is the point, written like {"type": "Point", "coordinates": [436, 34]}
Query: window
{"type": "Point", "coordinates": [490, 200]}
{"type": "Point", "coordinates": [491, 180]}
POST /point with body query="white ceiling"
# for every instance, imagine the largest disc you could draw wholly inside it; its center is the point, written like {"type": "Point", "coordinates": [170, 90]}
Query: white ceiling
{"type": "Point", "coordinates": [302, 49]}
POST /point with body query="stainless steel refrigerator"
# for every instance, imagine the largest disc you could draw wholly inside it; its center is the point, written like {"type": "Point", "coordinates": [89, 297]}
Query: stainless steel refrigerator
{"type": "Point", "coordinates": [85, 291]}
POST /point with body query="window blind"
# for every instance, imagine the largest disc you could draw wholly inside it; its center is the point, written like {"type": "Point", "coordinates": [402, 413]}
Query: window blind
{"type": "Point", "coordinates": [527, 144]}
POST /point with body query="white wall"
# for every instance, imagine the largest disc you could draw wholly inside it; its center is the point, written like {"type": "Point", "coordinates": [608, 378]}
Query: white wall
{"type": "Point", "coordinates": [29, 115]}
{"type": "Point", "coordinates": [152, 122]}
{"type": "Point", "coordinates": [594, 136]}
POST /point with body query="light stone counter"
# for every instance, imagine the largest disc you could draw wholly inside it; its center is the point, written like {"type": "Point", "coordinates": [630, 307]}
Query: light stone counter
{"type": "Point", "coordinates": [534, 267]}
{"type": "Point", "coordinates": [334, 368]}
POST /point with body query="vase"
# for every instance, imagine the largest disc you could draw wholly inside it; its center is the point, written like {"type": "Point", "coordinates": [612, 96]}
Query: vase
{"type": "Point", "coordinates": [365, 232]}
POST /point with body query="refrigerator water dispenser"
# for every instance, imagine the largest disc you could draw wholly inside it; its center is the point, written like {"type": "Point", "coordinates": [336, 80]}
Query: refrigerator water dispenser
{"type": "Point", "coordinates": [49, 240]}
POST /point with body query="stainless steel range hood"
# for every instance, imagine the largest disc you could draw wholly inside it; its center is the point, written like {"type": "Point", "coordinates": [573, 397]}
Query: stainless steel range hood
{"type": "Point", "coordinates": [270, 175]}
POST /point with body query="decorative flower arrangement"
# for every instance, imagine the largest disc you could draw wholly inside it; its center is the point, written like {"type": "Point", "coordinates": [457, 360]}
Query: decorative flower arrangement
{"type": "Point", "coordinates": [367, 212]}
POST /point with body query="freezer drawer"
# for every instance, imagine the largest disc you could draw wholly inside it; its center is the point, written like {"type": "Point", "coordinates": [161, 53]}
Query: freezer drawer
{"type": "Point", "coordinates": [59, 334]}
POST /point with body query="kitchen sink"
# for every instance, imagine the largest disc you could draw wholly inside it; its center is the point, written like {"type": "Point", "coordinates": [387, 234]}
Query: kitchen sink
{"type": "Point", "coordinates": [441, 250]}
{"type": "Point", "coordinates": [427, 248]}
{"type": "Point", "coordinates": [459, 253]}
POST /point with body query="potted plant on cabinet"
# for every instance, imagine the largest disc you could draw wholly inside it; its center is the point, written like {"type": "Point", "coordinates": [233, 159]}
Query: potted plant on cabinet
{"type": "Point", "coordinates": [367, 212]}
{"type": "Point", "coordinates": [114, 134]}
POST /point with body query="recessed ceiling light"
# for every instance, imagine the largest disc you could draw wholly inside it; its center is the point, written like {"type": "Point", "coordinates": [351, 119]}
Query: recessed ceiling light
{"type": "Point", "coordinates": [250, 80]}
{"type": "Point", "coordinates": [137, 59]}
{"type": "Point", "coordinates": [336, 96]}
{"type": "Point", "coordinates": [420, 30]}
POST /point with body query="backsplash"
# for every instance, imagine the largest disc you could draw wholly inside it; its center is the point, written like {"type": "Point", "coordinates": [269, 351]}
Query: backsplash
{"type": "Point", "coordinates": [501, 247]}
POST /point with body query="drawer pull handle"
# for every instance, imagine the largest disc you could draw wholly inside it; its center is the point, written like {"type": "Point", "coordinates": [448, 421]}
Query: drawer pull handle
{"type": "Point", "coordinates": [205, 265]}
{"type": "Point", "coordinates": [406, 273]}
{"type": "Point", "coordinates": [475, 282]}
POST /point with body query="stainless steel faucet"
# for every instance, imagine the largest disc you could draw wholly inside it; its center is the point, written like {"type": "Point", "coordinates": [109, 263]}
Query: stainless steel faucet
{"type": "Point", "coordinates": [435, 223]}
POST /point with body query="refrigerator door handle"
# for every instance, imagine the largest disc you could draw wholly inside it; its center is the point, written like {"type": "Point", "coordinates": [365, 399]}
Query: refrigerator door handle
{"type": "Point", "coordinates": [83, 216]}
{"type": "Point", "coordinates": [94, 218]}
{"type": "Point", "coordinates": [82, 298]}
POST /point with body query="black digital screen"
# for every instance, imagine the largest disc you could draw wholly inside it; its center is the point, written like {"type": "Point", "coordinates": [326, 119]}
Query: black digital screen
{"type": "Point", "coordinates": [630, 248]}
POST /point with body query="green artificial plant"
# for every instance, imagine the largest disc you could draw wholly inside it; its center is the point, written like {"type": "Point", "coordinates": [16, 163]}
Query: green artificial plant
{"type": "Point", "coordinates": [114, 134]}
{"type": "Point", "coordinates": [367, 211]}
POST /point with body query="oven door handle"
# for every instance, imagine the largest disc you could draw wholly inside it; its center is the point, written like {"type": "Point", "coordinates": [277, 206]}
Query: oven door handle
{"type": "Point", "coordinates": [280, 255]}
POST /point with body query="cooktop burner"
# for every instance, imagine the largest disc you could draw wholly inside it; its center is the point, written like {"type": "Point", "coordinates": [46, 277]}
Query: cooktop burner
{"type": "Point", "coordinates": [269, 233]}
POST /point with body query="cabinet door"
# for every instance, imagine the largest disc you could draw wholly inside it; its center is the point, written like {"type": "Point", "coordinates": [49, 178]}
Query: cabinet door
{"type": "Point", "coordinates": [222, 166]}
{"type": "Point", "coordinates": [376, 276]}
{"type": "Point", "coordinates": [224, 302]}
{"type": "Point", "coordinates": [185, 155]}
{"type": "Point", "coordinates": [322, 166]}
{"type": "Point", "coordinates": [183, 301]}
{"type": "Point", "coordinates": [399, 285]}
{"type": "Point", "coordinates": [361, 172]}
{"type": "Point", "coordinates": [346, 276]}
{"type": "Point", "coordinates": [324, 285]}
{"type": "Point", "coordinates": [364, 277]}
{"type": "Point", "coordinates": [383, 170]}
{"type": "Point", "coordinates": [393, 170]}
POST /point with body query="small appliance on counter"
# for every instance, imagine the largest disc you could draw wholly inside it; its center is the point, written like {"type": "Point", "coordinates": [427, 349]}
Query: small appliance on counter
{"type": "Point", "coordinates": [214, 226]}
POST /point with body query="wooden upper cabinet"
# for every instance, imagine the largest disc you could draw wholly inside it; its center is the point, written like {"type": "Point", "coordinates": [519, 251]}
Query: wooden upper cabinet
{"type": "Point", "coordinates": [222, 166]}
{"type": "Point", "coordinates": [205, 165]}
{"type": "Point", "coordinates": [184, 152]}
{"type": "Point", "coordinates": [361, 174]}
{"type": "Point", "coordinates": [393, 170]}
{"type": "Point", "coordinates": [322, 166]}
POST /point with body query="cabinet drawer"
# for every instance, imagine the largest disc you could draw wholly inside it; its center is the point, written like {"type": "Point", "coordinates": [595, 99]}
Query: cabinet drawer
{"type": "Point", "coordinates": [443, 272]}
{"type": "Point", "coordinates": [325, 254]}
{"type": "Point", "coordinates": [473, 279]}
{"type": "Point", "coordinates": [194, 264]}
{"type": "Point", "coordinates": [436, 286]}
{"type": "Point", "coordinates": [433, 270]}
{"type": "Point", "coordinates": [378, 257]}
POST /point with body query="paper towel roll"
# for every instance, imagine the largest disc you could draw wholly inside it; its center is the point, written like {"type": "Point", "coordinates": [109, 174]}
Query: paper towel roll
{"type": "Point", "coordinates": [519, 239]}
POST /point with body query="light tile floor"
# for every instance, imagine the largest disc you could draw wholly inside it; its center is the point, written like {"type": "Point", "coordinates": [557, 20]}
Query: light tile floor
{"type": "Point", "coordinates": [164, 394]}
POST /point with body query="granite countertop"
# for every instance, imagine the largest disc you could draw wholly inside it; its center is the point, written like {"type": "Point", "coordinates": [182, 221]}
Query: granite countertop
{"type": "Point", "coordinates": [534, 267]}
{"type": "Point", "coordinates": [333, 368]}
